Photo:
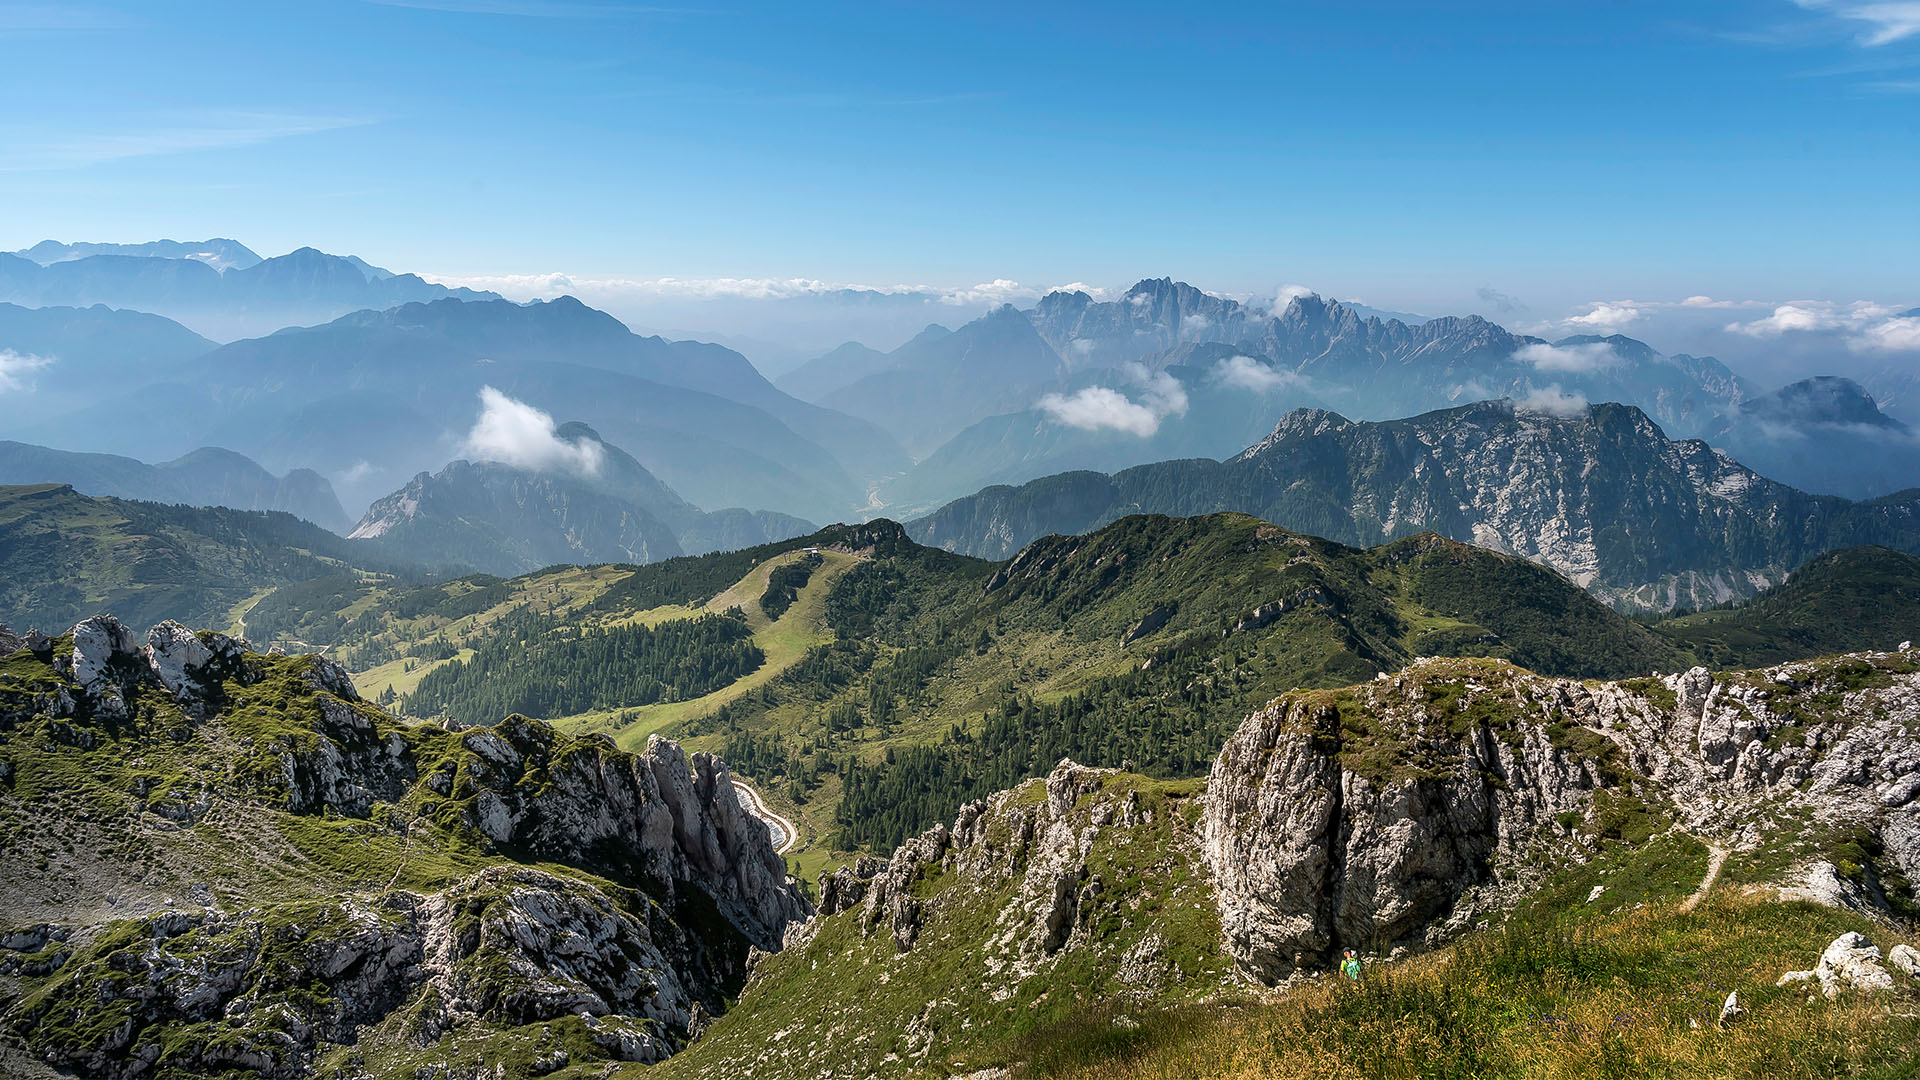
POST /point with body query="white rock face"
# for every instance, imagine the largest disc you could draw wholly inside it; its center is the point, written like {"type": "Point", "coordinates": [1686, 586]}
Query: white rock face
{"type": "Point", "coordinates": [1851, 962]}
{"type": "Point", "coordinates": [97, 644]}
{"type": "Point", "coordinates": [177, 656]}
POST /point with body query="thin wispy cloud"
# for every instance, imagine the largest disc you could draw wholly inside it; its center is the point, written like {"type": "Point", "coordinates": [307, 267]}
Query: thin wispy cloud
{"type": "Point", "coordinates": [1886, 21]}
{"type": "Point", "coordinates": [548, 286]}
{"type": "Point", "coordinates": [35, 151]}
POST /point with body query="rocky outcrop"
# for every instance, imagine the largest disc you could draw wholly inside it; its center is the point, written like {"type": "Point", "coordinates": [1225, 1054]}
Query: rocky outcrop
{"type": "Point", "coordinates": [684, 880]}
{"type": "Point", "coordinates": [103, 652]}
{"type": "Point", "coordinates": [1322, 838]}
{"type": "Point", "coordinates": [1851, 962]}
{"type": "Point", "coordinates": [508, 946]}
{"type": "Point", "coordinates": [655, 817]}
{"type": "Point", "coordinates": [1404, 810]}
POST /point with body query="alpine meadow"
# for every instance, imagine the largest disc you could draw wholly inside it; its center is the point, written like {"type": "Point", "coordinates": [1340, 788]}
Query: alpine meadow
{"type": "Point", "coordinates": [736, 541]}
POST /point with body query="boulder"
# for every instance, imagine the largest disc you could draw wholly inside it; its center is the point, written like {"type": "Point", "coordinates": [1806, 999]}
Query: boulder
{"type": "Point", "coordinates": [1851, 962]}
{"type": "Point", "coordinates": [1906, 960]}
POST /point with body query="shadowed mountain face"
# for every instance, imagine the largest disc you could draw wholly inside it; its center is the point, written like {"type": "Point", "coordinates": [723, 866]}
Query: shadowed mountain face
{"type": "Point", "coordinates": [1603, 497]}
{"type": "Point", "coordinates": [379, 395]}
{"type": "Point", "coordinates": [501, 519]}
{"type": "Point", "coordinates": [208, 476]}
{"type": "Point", "coordinates": [1824, 434]}
{"type": "Point", "coordinates": [73, 356]}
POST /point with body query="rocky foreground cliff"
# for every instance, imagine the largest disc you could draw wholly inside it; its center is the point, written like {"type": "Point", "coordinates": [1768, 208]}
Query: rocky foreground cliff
{"type": "Point", "coordinates": [1392, 818]}
{"type": "Point", "coordinates": [228, 864]}
{"type": "Point", "coordinates": [224, 862]}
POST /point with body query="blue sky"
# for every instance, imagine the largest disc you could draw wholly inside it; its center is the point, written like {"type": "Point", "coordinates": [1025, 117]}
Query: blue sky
{"type": "Point", "coordinates": [1412, 155]}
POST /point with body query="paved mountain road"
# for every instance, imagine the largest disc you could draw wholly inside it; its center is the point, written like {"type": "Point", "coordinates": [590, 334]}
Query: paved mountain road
{"type": "Point", "coordinates": [785, 836]}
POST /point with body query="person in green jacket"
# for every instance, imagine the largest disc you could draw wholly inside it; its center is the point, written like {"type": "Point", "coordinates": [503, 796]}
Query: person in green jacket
{"type": "Point", "coordinates": [1350, 967]}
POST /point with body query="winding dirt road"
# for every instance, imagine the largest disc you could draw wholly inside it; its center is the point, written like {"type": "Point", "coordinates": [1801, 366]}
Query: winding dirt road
{"type": "Point", "coordinates": [785, 835]}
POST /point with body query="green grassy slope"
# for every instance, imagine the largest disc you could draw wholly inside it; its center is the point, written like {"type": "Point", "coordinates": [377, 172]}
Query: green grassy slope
{"type": "Point", "coordinates": [68, 556]}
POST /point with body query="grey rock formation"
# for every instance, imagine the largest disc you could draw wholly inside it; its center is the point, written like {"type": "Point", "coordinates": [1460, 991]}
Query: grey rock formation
{"type": "Point", "coordinates": [511, 945]}
{"type": "Point", "coordinates": [1320, 838]}
{"type": "Point", "coordinates": [189, 665]}
{"type": "Point", "coordinates": [102, 651]}
{"type": "Point", "coordinates": [1851, 962]}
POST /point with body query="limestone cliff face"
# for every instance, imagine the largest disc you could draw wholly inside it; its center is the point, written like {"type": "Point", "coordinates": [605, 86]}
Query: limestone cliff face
{"type": "Point", "coordinates": [1405, 810]}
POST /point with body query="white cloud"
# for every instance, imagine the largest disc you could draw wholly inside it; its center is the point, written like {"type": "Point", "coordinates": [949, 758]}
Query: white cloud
{"type": "Point", "coordinates": [1247, 373]}
{"type": "Point", "coordinates": [1894, 335]}
{"type": "Point", "coordinates": [1553, 401]}
{"type": "Point", "coordinates": [515, 433]}
{"type": "Point", "coordinates": [1100, 407]}
{"type": "Point", "coordinates": [16, 370]}
{"type": "Point", "coordinates": [1589, 357]}
{"type": "Point", "coordinates": [1287, 294]}
{"type": "Point", "coordinates": [1097, 408]}
{"type": "Point", "coordinates": [1605, 316]}
{"type": "Point", "coordinates": [1887, 21]}
{"type": "Point", "coordinates": [358, 471]}
{"type": "Point", "coordinates": [1865, 326]}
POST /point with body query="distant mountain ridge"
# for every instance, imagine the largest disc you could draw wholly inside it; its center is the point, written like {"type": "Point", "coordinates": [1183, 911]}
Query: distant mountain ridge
{"type": "Point", "coordinates": [224, 297]}
{"type": "Point", "coordinates": [208, 476]}
{"type": "Point", "coordinates": [221, 254]}
{"type": "Point", "coordinates": [378, 395]}
{"type": "Point", "coordinates": [1602, 496]}
{"type": "Point", "coordinates": [987, 404]}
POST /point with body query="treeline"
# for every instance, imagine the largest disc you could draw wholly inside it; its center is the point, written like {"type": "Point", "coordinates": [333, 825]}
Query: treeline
{"type": "Point", "coordinates": [528, 665]}
{"type": "Point", "coordinates": [1168, 720]}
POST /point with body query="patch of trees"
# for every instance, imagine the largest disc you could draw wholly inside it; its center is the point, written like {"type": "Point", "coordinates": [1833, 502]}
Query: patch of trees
{"type": "Point", "coordinates": [785, 582]}
{"type": "Point", "coordinates": [528, 665]}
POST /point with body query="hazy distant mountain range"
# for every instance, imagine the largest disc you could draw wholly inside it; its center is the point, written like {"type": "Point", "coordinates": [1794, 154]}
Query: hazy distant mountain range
{"type": "Point", "coordinates": [1602, 496]}
{"type": "Point", "coordinates": [1164, 373]}
{"type": "Point", "coordinates": [208, 476]}
{"type": "Point", "coordinates": [1167, 370]}
{"type": "Point", "coordinates": [374, 397]}
{"type": "Point", "coordinates": [229, 293]}
{"type": "Point", "coordinates": [217, 253]}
